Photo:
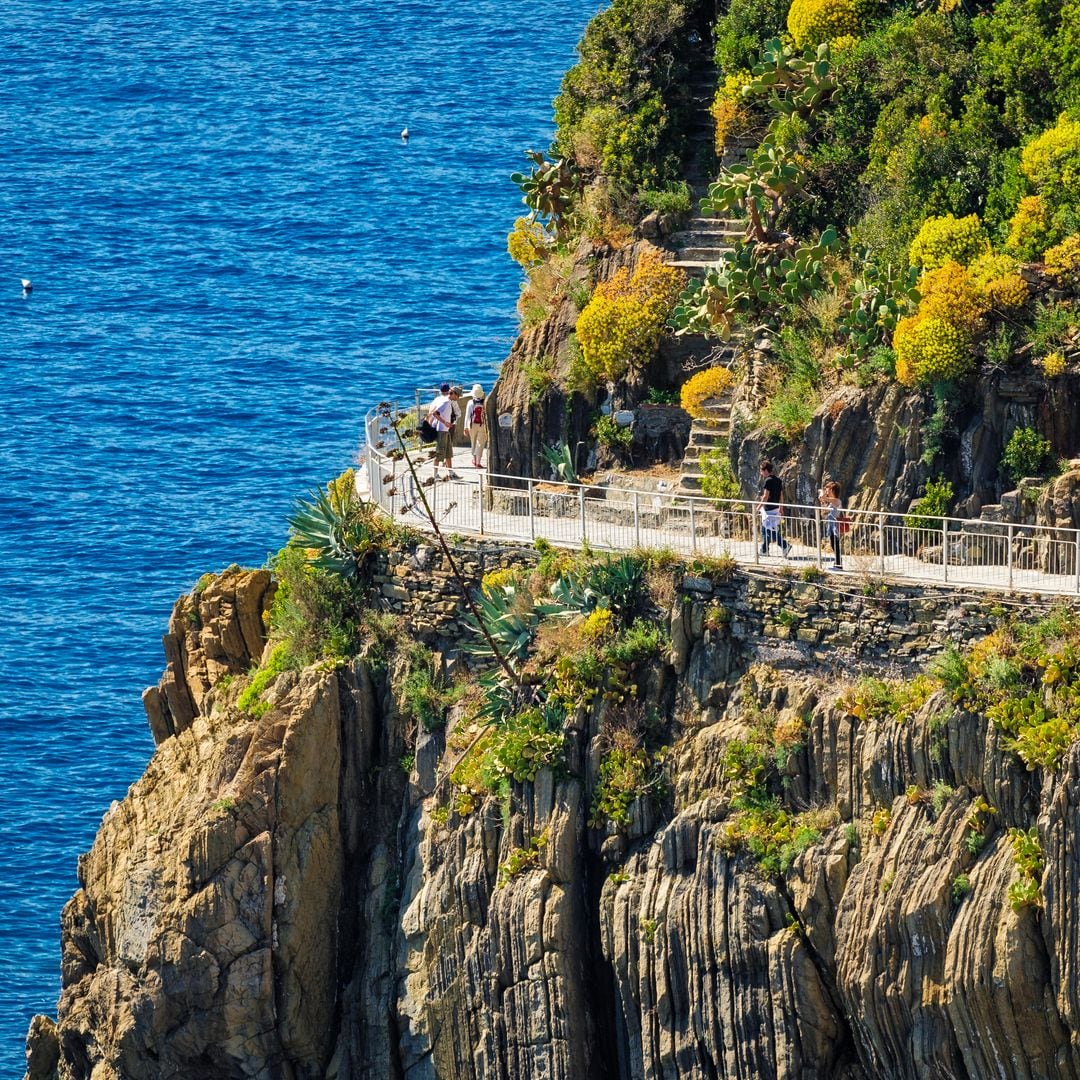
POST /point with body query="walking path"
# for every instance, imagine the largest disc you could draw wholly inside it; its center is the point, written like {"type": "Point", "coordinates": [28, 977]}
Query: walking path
{"type": "Point", "coordinates": [950, 552]}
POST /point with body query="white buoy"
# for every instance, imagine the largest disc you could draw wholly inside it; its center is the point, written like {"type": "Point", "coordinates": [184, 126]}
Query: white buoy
{"type": "Point", "coordinates": [27, 285]}
{"type": "Point", "coordinates": [405, 134]}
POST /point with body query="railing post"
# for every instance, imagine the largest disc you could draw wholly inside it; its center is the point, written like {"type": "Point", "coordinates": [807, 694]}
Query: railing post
{"type": "Point", "coordinates": [1076, 560]}
{"type": "Point", "coordinates": [532, 519]}
{"type": "Point", "coordinates": [817, 536]}
{"type": "Point", "coordinates": [693, 528]}
{"type": "Point", "coordinates": [755, 518]}
{"type": "Point", "coordinates": [945, 549]}
{"type": "Point", "coordinates": [1009, 557]}
{"type": "Point", "coordinates": [881, 541]}
{"type": "Point", "coordinates": [480, 489]}
{"type": "Point", "coordinates": [581, 507]}
{"type": "Point", "coordinates": [637, 522]}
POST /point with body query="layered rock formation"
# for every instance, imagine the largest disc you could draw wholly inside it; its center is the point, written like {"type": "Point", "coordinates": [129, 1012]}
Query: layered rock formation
{"type": "Point", "coordinates": [278, 897]}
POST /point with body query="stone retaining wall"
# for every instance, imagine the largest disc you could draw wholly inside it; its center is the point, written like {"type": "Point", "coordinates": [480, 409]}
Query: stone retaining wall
{"type": "Point", "coordinates": [826, 621]}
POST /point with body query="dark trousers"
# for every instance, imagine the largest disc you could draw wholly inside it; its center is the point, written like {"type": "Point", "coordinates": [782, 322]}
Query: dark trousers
{"type": "Point", "coordinates": [834, 536]}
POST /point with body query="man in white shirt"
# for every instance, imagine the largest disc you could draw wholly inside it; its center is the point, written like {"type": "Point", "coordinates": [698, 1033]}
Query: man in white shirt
{"type": "Point", "coordinates": [441, 416]}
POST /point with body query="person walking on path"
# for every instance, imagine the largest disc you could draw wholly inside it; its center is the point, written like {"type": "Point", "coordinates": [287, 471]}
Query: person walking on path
{"type": "Point", "coordinates": [476, 425]}
{"type": "Point", "coordinates": [771, 500]}
{"type": "Point", "coordinates": [829, 497]}
{"type": "Point", "coordinates": [441, 417]}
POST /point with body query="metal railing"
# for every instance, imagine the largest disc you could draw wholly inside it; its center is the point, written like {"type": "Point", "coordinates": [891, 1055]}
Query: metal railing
{"type": "Point", "coordinates": [946, 551]}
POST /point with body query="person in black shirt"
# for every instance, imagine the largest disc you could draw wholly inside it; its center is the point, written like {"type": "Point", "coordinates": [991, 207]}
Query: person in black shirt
{"type": "Point", "coordinates": [772, 503]}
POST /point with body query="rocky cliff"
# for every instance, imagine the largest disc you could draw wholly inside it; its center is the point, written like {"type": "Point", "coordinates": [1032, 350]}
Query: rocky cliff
{"type": "Point", "coordinates": [304, 884]}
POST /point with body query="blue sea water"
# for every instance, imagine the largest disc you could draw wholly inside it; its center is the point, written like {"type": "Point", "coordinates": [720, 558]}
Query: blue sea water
{"type": "Point", "coordinates": [233, 255]}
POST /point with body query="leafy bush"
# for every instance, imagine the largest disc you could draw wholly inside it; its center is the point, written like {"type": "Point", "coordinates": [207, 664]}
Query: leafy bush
{"type": "Point", "coordinates": [943, 238]}
{"type": "Point", "coordinates": [611, 434]}
{"type": "Point", "coordinates": [622, 110]}
{"type": "Point", "coordinates": [674, 199]}
{"type": "Point", "coordinates": [740, 31]}
{"type": "Point", "coordinates": [935, 504]}
{"type": "Point", "coordinates": [422, 698]}
{"type": "Point", "coordinates": [791, 408]}
{"type": "Point", "coordinates": [626, 774]}
{"type": "Point", "coordinates": [279, 660]}
{"type": "Point", "coordinates": [539, 376]}
{"type": "Point", "coordinates": [622, 323]}
{"type": "Point", "coordinates": [1025, 454]}
{"type": "Point", "coordinates": [315, 612]}
{"type": "Point", "coordinates": [1028, 858]}
{"type": "Point", "coordinates": [703, 387]}
{"type": "Point", "coordinates": [718, 479]}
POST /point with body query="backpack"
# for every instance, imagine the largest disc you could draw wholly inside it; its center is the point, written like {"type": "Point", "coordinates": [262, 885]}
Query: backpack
{"type": "Point", "coordinates": [428, 433]}
{"type": "Point", "coordinates": [476, 418]}
{"type": "Point", "coordinates": [844, 523]}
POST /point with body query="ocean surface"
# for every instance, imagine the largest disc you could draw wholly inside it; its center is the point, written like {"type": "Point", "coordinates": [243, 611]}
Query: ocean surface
{"type": "Point", "coordinates": [233, 255]}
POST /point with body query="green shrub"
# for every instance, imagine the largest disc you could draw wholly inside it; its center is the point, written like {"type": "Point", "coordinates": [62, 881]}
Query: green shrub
{"type": "Point", "coordinates": [611, 435]}
{"type": "Point", "coordinates": [741, 30]}
{"type": "Point", "coordinates": [718, 479]}
{"type": "Point", "coordinates": [316, 613]}
{"type": "Point", "coordinates": [279, 660]}
{"type": "Point", "coordinates": [625, 775]}
{"type": "Point", "coordinates": [539, 376]}
{"type": "Point", "coordinates": [933, 506]}
{"type": "Point", "coordinates": [422, 698]}
{"type": "Point", "coordinates": [961, 887]}
{"type": "Point", "coordinates": [1025, 454]}
{"type": "Point", "coordinates": [672, 200]}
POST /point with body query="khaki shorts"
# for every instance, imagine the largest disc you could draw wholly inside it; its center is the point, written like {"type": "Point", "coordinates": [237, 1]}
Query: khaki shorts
{"type": "Point", "coordinates": [443, 445]}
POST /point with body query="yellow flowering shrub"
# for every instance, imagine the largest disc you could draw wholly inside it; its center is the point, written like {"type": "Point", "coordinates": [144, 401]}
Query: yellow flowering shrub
{"type": "Point", "coordinates": [702, 387]}
{"type": "Point", "coordinates": [935, 343]}
{"type": "Point", "coordinates": [728, 109]}
{"type": "Point", "coordinates": [810, 22]}
{"type": "Point", "coordinates": [1053, 365]}
{"type": "Point", "coordinates": [597, 624]}
{"type": "Point", "coordinates": [498, 579]}
{"type": "Point", "coordinates": [528, 243]}
{"type": "Point", "coordinates": [943, 238]}
{"type": "Point", "coordinates": [1029, 229]}
{"type": "Point", "coordinates": [930, 349]}
{"type": "Point", "coordinates": [622, 322]}
{"type": "Point", "coordinates": [997, 279]}
{"type": "Point", "coordinates": [1063, 261]}
{"type": "Point", "coordinates": [948, 293]}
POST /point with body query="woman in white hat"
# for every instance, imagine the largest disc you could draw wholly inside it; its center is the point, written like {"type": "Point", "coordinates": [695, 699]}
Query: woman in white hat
{"type": "Point", "coordinates": [476, 424]}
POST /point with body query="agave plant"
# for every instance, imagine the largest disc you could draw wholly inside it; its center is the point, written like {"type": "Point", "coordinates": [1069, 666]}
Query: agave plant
{"type": "Point", "coordinates": [333, 527]}
{"type": "Point", "coordinates": [615, 584]}
{"type": "Point", "coordinates": [560, 459]}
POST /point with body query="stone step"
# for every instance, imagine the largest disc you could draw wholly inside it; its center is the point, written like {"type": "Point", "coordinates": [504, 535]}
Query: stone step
{"type": "Point", "coordinates": [689, 484]}
{"type": "Point", "coordinates": [693, 456]}
{"type": "Point", "coordinates": [701, 441]}
{"type": "Point", "coordinates": [706, 256]}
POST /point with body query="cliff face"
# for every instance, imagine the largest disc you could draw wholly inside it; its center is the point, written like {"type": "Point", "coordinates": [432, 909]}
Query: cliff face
{"type": "Point", "coordinates": [279, 897]}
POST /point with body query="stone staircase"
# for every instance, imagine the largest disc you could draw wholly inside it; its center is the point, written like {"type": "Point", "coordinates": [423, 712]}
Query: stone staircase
{"type": "Point", "coordinates": [711, 433]}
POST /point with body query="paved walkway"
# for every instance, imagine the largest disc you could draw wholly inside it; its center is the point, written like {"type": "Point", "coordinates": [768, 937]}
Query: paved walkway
{"type": "Point", "coordinates": [621, 521]}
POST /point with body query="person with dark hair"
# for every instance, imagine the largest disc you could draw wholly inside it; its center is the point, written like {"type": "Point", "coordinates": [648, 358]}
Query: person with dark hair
{"type": "Point", "coordinates": [771, 501]}
{"type": "Point", "coordinates": [441, 417]}
{"type": "Point", "coordinates": [829, 497]}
